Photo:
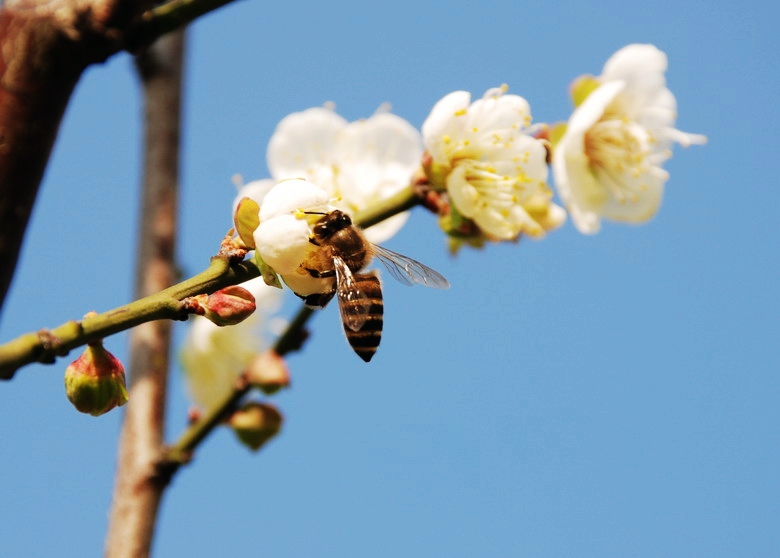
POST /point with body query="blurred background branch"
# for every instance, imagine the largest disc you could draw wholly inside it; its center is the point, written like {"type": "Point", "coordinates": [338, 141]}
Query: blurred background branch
{"type": "Point", "coordinates": [138, 487]}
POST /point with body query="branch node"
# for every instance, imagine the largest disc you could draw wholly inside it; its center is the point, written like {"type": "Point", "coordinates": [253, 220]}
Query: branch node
{"type": "Point", "coordinates": [232, 248]}
{"type": "Point", "coordinates": [189, 305]}
{"type": "Point", "coordinates": [51, 346]}
{"type": "Point", "coordinates": [166, 466]}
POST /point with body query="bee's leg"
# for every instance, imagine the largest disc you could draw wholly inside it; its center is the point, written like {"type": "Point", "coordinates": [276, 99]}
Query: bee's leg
{"type": "Point", "coordinates": [318, 300]}
{"type": "Point", "coordinates": [317, 274]}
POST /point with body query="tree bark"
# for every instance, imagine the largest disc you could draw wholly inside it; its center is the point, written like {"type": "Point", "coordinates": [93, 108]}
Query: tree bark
{"type": "Point", "coordinates": [39, 67]}
{"type": "Point", "coordinates": [44, 48]}
{"type": "Point", "coordinates": [45, 45]}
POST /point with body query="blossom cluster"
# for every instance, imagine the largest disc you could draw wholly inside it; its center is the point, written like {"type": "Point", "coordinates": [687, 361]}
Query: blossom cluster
{"type": "Point", "coordinates": [483, 166]}
{"type": "Point", "coordinates": [486, 161]}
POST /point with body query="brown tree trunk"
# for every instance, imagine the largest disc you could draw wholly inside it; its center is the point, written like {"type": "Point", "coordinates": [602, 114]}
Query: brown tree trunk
{"type": "Point", "coordinates": [45, 45]}
{"type": "Point", "coordinates": [39, 67]}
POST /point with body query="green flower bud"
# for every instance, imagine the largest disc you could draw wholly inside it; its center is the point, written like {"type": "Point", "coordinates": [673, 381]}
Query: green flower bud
{"type": "Point", "coordinates": [255, 423]}
{"type": "Point", "coordinates": [95, 382]}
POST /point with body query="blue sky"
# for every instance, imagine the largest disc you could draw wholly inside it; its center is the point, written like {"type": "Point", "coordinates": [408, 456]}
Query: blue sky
{"type": "Point", "coordinates": [580, 396]}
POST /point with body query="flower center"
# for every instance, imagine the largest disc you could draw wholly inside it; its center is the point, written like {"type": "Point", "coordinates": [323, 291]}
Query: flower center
{"type": "Point", "coordinates": [617, 151]}
{"type": "Point", "coordinates": [496, 190]}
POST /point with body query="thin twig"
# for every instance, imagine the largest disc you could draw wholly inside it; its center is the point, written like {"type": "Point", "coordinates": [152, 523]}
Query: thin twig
{"type": "Point", "coordinates": [168, 17]}
{"type": "Point", "coordinates": [46, 345]}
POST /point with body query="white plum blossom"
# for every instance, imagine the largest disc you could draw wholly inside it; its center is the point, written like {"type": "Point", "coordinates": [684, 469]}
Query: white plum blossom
{"type": "Point", "coordinates": [608, 162]}
{"type": "Point", "coordinates": [358, 163]}
{"type": "Point", "coordinates": [494, 171]}
{"type": "Point", "coordinates": [287, 214]}
{"type": "Point", "coordinates": [213, 357]}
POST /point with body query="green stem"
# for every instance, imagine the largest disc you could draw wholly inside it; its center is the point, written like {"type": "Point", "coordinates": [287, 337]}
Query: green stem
{"type": "Point", "coordinates": [46, 345]}
{"type": "Point", "coordinates": [402, 201]}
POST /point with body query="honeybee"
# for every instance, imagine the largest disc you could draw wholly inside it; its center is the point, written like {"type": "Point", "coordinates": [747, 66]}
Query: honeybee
{"type": "Point", "coordinates": [345, 251]}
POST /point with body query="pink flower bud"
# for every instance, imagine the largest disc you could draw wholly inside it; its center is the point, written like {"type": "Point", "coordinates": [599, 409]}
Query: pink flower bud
{"type": "Point", "coordinates": [229, 306]}
{"type": "Point", "coordinates": [268, 372]}
{"type": "Point", "coordinates": [95, 382]}
{"type": "Point", "coordinates": [255, 423]}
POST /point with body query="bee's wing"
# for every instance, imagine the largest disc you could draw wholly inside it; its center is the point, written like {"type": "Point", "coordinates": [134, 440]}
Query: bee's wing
{"type": "Point", "coordinates": [409, 271]}
{"type": "Point", "coordinates": [354, 305]}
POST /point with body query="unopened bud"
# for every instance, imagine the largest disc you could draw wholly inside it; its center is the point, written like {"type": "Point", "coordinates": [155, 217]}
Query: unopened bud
{"type": "Point", "coordinates": [95, 382]}
{"type": "Point", "coordinates": [268, 372]}
{"type": "Point", "coordinates": [229, 306]}
{"type": "Point", "coordinates": [255, 423]}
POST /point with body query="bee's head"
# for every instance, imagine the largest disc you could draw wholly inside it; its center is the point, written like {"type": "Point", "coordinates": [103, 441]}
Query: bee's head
{"type": "Point", "coordinates": [331, 223]}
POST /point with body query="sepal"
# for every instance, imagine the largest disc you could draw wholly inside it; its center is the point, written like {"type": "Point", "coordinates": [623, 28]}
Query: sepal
{"type": "Point", "coordinates": [270, 277]}
{"type": "Point", "coordinates": [557, 131]}
{"type": "Point", "coordinates": [246, 219]}
{"type": "Point", "coordinates": [436, 173]}
{"type": "Point", "coordinates": [582, 87]}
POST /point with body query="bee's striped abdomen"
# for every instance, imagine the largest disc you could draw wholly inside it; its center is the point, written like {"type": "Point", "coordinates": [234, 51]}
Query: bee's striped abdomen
{"type": "Point", "coordinates": [366, 340]}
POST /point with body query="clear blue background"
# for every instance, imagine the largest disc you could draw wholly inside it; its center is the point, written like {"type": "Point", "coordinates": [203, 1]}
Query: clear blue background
{"type": "Point", "coordinates": [580, 396]}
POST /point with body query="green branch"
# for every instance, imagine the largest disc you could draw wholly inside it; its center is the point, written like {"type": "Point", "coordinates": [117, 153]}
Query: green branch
{"type": "Point", "coordinates": [46, 345]}
{"type": "Point", "coordinates": [404, 200]}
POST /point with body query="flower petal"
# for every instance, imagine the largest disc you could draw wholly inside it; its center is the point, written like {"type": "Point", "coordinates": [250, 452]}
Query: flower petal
{"type": "Point", "coordinates": [387, 229]}
{"type": "Point", "coordinates": [283, 242]}
{"type": "Point", "coordinates": [508, 112]}
{"type": "Point", "coordinates": [212, 357]}
{"type": "Point", "coordinates": [463, 194]}
{"type": "Point", "coordinates": [292, 195]}
{"type": "Point", "coordinates": [640, 66]}
{"type": "Point", "coordinates": [304, 284]}
{"type": "Point", "coordinates": [444, 122]}
{"type": "Point", "coordinates": [302, 145]}
{"type": "Point", "coordinates": [376, 159]}
{"type": "Point", "coordinates": [648, 191]}
{"type": "Point", "coordinates": [591, 111]}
